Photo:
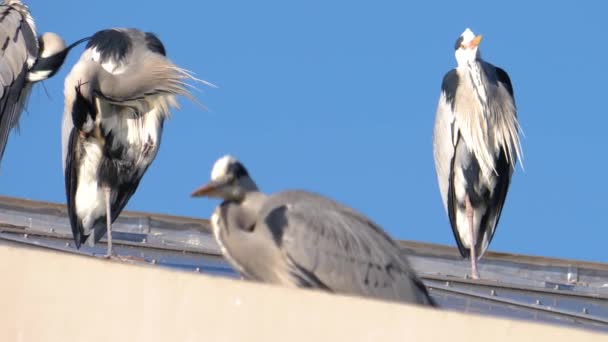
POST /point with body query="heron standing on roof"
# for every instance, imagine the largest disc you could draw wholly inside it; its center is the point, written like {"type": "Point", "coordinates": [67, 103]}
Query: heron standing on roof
{"type": "Point", "coordinates": [301, 239]}
{"type": "Point", "coordinates": [117, 98]}
{"type": "Point", "coordinates": [24, 60]}
{"type": "Point", "coordinates": [476, 145]}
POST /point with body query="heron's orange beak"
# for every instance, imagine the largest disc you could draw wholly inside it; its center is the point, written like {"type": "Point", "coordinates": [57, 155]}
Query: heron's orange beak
{"type": "Point", "coordinates": [212, 189]}
{"type": "Point", "coordinates": [207, 190]}
{"type": "Point", "coordinates": [475, 41]}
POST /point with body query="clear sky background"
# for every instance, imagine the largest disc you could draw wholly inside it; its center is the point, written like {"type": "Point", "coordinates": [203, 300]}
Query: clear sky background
{"type": "Point", "coordinates": [339, 97]}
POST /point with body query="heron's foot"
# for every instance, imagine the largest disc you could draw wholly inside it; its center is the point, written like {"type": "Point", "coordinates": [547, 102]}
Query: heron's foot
{"type": "Point", "coordinates": [474, 272]}
{"type": "Point", "coordinates": [124, 258]}
{"type": "Point", "coordinates": [130, 258]}
{"type": "Point", "coordinates": [127, 258]}
{"type": "Point", "coordinates": [103, 256]}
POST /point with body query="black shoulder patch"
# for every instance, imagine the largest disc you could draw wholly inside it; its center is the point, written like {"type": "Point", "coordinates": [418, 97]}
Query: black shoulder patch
{"type": "Point", "coordinates": [503, 78]}
{"type": "Point", "coordinates": [111, 44]}
{"type": "Point", "coordinates": [449, 86]}
{"type": "Point", "coordinates": [458, 43]}
{"type": "Point", "coordinates": [82, 109]}
{"type": "Point", "coordinates": [154, 44]}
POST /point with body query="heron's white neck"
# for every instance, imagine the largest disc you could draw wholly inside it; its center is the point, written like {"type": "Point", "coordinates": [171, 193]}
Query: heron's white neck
{"type": "Point", "coordinates": [466, 56]}
{"type": "Point", "coordinates": [253, 201]}
{"type": "Point", "coordinates": [472, 70]}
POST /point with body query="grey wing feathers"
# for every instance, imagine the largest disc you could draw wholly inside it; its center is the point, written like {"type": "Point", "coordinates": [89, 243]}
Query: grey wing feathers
{"type": "Point", "coordinates": [333, 247]}
{"type": "Point", "coordinates": [451, 204]}
{"type": "Point", "coordinates": [19, 47]}
{"type": "Point", "coordinates": [503, 78]}
{"type": "Point", "coordinates": [444, 135]}
{"type": "Point", "coordinates": [496, 200]}
{"type": "Point", "coordinates": [71, 183]}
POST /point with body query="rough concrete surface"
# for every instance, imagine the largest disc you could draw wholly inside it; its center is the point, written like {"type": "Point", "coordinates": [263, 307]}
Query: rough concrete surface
{"type": "Point", "coordinates": [50, 296]}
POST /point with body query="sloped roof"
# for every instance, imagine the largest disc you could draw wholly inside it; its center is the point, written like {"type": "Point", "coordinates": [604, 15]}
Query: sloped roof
{"type": "Point", "coordinates": [567, 292]}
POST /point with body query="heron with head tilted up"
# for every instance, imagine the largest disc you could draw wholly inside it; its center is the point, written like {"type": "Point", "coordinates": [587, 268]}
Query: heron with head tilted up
{"type": "Point", "coordinates": [25, 59]}
{"type": "Point", "coordinates": [301, 239]}
{"type": "Point", "coordinates": [117, 98]}
{"type": "Point", "coordinates": [476, 145]}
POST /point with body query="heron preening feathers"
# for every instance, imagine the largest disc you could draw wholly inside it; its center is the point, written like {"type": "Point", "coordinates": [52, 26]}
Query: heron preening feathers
{"type": "Point", "coordinates": [117, 98]}
{"type": "Point", "coordinates": [24, 60]}
{"type": "Point", "coordinates": [301, 239]}
{"type": "Point", "coordinates": [476, 145]}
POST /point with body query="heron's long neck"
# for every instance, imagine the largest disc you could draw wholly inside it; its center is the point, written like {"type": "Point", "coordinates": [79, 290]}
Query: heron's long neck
{"type": "Point", "coordinates": [474, 72]}
{"type": "Point", "coordinates": [253, 201]}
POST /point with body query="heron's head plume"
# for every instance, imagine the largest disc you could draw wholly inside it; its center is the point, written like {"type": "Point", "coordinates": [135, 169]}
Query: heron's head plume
{"type": "Point", "coordinates": [229, 181]}
{"type": "Point", "coordinates": [467, 47]}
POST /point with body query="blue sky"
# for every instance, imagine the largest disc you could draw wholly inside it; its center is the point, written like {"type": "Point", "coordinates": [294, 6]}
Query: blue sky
{"type": "Point", "coordinates": [339, 97]}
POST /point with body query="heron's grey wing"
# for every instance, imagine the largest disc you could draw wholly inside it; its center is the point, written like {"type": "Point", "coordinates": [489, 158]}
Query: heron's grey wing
{"type": "Point", "coordinates": [77, 113]}
{"type": "Point", "coordinates": [19, 46]}
{"type": "Point", "coordinates": [496, 199]}
{"type": "Point", "coordinates": [66, 131]}
{"type": "Point", "coordinates": [445, 139]}
{"type": "Point", "coordinates": [504, 79]}
{"type": "Point", "coordinates": [504, 171]}
{"type": "Point", "coordinates": [123, 163]}
{"type": "Point", "coordinates": [128, 183]}
{"type": "Point", "coordinates": [341, 252]}
{"type": "Point", "coordinates": [452, 202]}
{"type": "Point", "coordinates": [74, 153]}
{"type": "Point", "coordinates": [444, 134]}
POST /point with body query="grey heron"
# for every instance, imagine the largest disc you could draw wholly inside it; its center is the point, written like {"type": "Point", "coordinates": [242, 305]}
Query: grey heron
{"type": "Point", "coordinates": [117, 98]}
{"type": "Point", "coordinates": [476, 145]}
{"type": "Point", "coordinates": [302, 239]}
{"type": "Point", "coordinates": [25, 59]}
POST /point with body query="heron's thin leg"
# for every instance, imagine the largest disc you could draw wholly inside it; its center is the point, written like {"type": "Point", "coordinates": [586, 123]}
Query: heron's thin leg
{"type": "Point", "coordinates": [108, 191]}
{"type": "Point", "coordinates": [91, 240]}
{"type": "Point", "coordinates": [472, 249]}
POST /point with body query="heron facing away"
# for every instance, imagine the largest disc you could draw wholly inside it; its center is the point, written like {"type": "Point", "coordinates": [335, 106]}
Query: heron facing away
{"type": "Point", "coordinates": [25, 59]}
{"type": "Point", "coordinates": [476, 145]}
{"type": "Point", "coordinates": [301, 239]}
{"type": "Point", "coordinates": [117, 98]}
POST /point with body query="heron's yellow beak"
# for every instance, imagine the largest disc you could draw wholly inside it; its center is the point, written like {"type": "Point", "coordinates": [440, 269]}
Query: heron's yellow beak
{"type": "Point", "coordinates": [475, 41]}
